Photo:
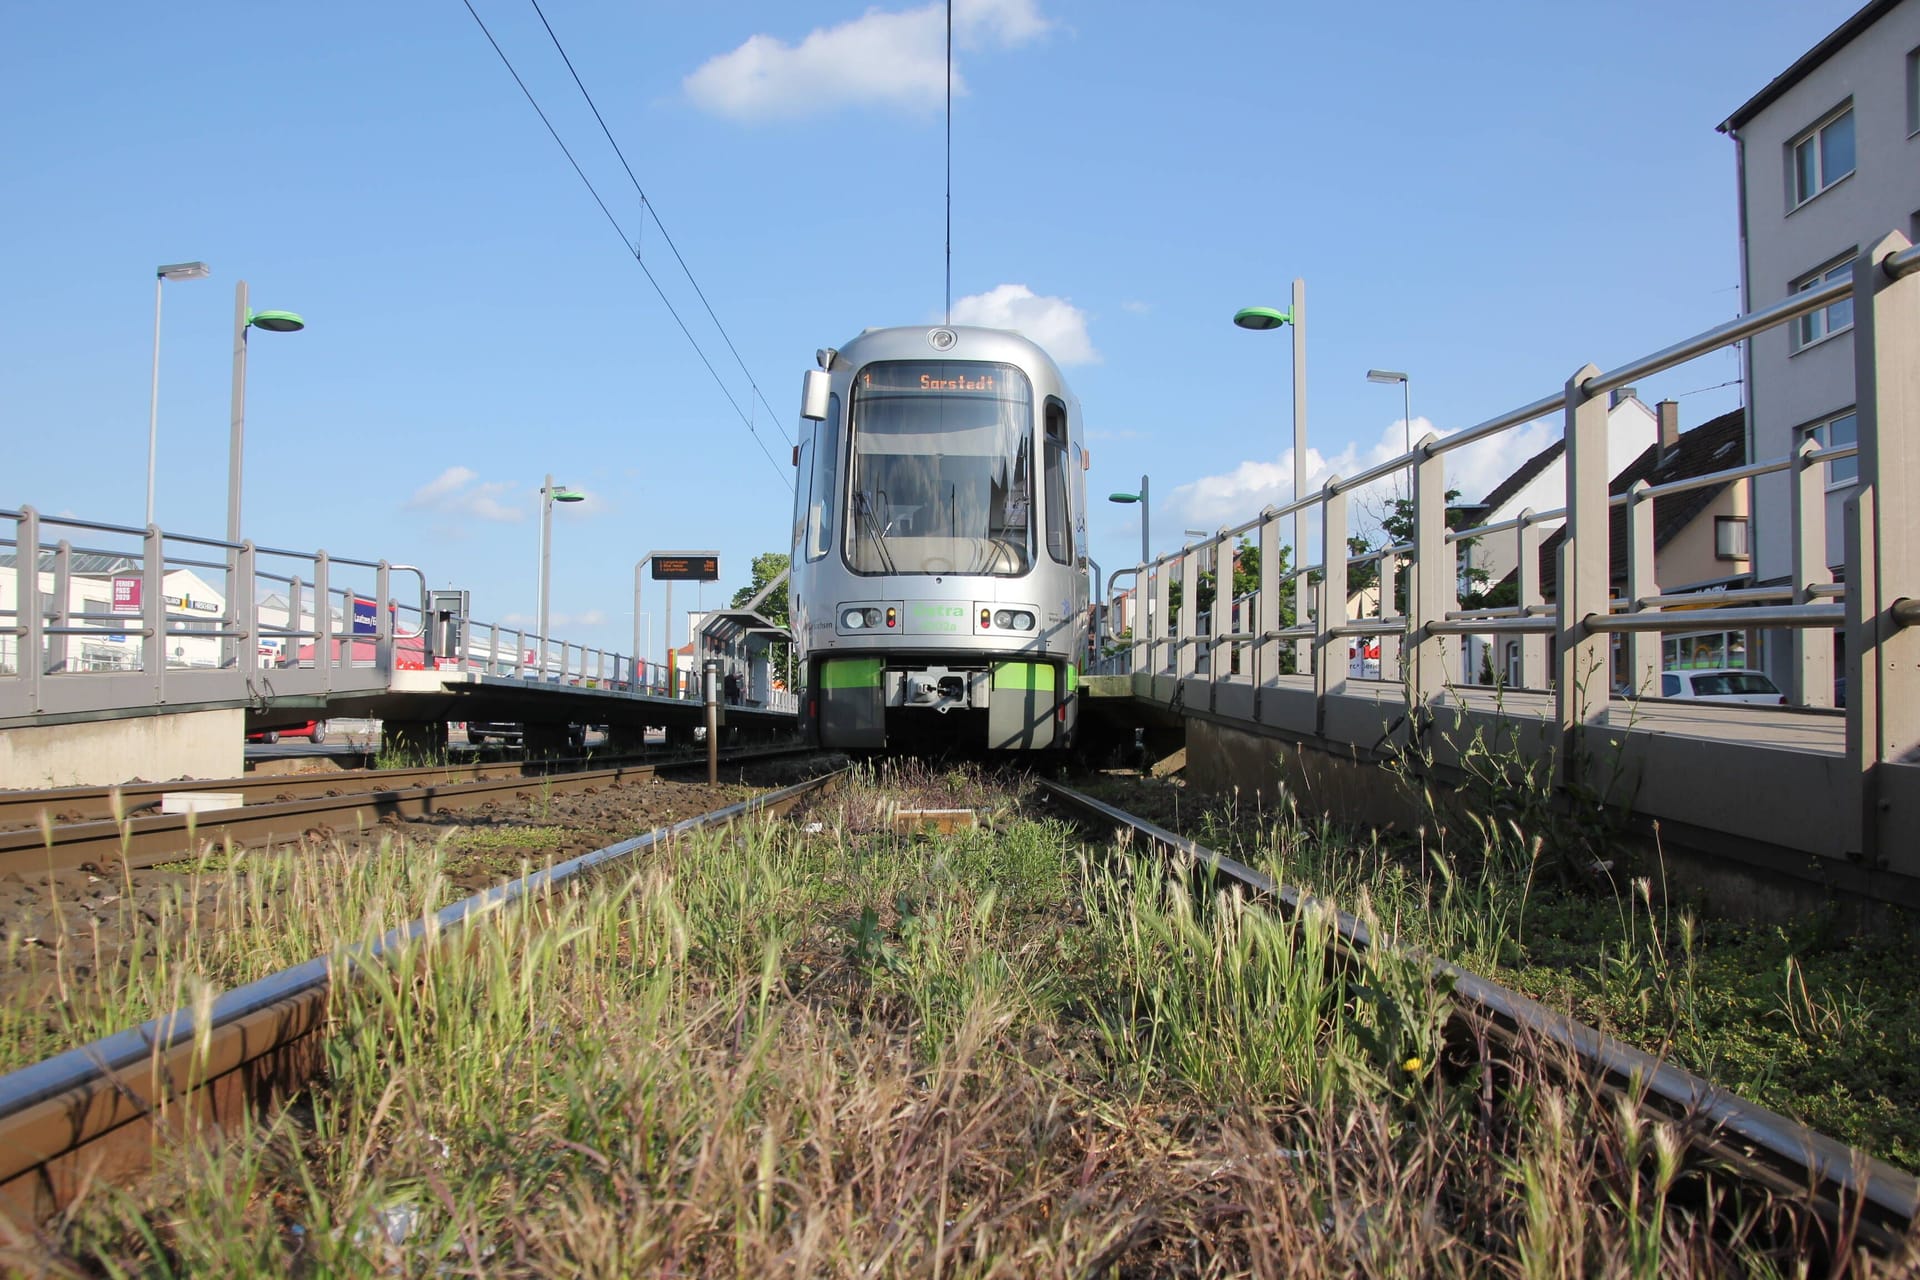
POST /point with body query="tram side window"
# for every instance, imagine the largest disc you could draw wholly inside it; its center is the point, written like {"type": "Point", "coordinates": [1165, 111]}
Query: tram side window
{"type": "Point", "coordinates": [826, 458]}
{"type": "Point", "coordinates": [802, 489]}
{"type": "Point", "coordinates": [1059, 522]}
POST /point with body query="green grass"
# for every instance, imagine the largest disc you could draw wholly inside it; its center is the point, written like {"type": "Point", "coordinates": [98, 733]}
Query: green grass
{"type": "Point", "coordinates": [769, 1052]}
{"type": "Point", "coordinates": [1808, 1019]}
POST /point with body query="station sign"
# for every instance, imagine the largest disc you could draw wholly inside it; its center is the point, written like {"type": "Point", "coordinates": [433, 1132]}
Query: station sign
{"type": "Point", "coordinates": [366, 617]}
{"type": "Point", "coordinates": [686, 566]}
{"type": "Point", "coordinates": [126, 594]}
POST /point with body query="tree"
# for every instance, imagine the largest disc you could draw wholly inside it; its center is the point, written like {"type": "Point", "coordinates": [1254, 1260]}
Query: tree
{"type": "Point", "coordinates": [767, 567]}
{"type": "Point", "coordinates": [1397, 526]}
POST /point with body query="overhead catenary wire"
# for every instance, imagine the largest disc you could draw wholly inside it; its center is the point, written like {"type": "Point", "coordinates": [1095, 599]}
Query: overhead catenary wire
{"type": "Point", "coordinates": [653, 211]}
{"type": "Point", "coordinates": [631, 246]}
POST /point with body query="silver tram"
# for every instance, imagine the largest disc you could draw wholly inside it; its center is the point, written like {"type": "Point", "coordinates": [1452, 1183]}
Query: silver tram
{"type": "Point", "coordinates": [938, 594]}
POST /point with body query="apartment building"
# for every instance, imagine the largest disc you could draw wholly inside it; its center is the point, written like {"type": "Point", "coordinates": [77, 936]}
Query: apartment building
{"type": "Point", "coordinates": [1828, 160]}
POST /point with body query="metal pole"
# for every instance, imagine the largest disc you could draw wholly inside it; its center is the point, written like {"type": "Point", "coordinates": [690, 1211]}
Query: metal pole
{"type": "Point", "coordinates": [1145, 540]}
{"type": "Point", "coordinates": [153, 402]}
{"type": "Point", "coordinates": [1302, 648]}
{"type": "Point", "coordinates": [237, 430]}
{"type": "Point", "coordinates": [710, 672]}
{"type": "Point", "coordinates": [546, 545]}
{"type": "Point", "coordinates": [1406, 424]}
{"type": "Point", "coordinates": [637, 650]}
{"type": "Point", "coordinates": [673, 677]}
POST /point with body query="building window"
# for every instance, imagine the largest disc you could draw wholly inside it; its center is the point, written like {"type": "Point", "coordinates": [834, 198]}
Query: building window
{"type": "Point", "coordinates": [1730, 538]}
{"type": "Point", "coordinates": [1838, 430]}
{"type": "Point", "coordinates": [1835, 317]}
{"type": "Point", "coordinates": [1913, 93]}
{"type": "Point", "coordinates": [1820, 157]}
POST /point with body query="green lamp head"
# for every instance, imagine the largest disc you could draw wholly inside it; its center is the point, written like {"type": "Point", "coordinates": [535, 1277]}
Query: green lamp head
{"type": "Point", "coordinates": [276, 321]}
{"type": "Point", "coordinates": [568, 495]}
{"type": "Point", "coordinates": [1261, 318]}
{"type": "Point", "coordinates": [1123, 497]}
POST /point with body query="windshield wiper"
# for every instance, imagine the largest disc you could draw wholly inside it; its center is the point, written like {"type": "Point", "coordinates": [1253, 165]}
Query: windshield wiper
{"type": "Point", "coordinates": [871, 527]}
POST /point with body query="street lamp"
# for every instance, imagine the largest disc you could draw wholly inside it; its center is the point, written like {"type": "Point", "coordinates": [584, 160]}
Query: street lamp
{"type": "Point", "coordinates": [1262, 318]}
{"type": "Point", "coordinates": [178, 271]}
{"type": "Point", "coordinates": [243, 320]}
{"type": "Point", "coordinates": [1389, 377]}
{"type": "Point", "coordinates": [549, 495]}
{"type": "Point", "coordinates": [1141, 498]}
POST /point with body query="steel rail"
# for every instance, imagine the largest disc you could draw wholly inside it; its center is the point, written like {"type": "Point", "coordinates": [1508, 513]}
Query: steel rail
{"type": "Point", "coordinates": [96, 1111]}
{"type": "Point", "coordinates": [82, 804]}
{"type": "Point", "coordinates": [148, 841]}
{"type": "Point", "coordinates": [1787, 1157]}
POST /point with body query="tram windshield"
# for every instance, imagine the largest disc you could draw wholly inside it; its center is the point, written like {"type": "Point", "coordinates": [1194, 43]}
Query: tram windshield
{"type": "Point", "coordinates": [942, 476]}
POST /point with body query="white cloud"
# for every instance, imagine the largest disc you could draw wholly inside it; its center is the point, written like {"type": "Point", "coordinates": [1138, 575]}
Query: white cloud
{"type": "Point", "coordinates": [879, 58]}
{"type": "Point", "coordinates": [1054, 323]}
{"type": "Point", "coordinates": [453, 492]}
{"type": "Point", "coordinates": [1135, 307]}
{"type": "Point", "coordinates": [1240, 494]}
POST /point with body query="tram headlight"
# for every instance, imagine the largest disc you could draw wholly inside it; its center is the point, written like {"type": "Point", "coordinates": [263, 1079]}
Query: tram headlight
{"type": "Point", "coordinates": [1023, 621]}
{"type": "Point", "coordinates": [1003, 619]}
{"type": "Point", "coordinates": [854, 619]}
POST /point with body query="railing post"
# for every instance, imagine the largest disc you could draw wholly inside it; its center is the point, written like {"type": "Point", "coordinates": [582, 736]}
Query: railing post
{"type": "Point", "coordinates": [1266, 650]}
{"type": "Point", "coordinates": [1582, 687]}
{"type": "Point", "coordinates": [323, 619]}
{"type": "Point", "coordinates": [1187, 639]}
{"type": "Point", "coordinates": [26, 576]}
{"type": "Point", "coordinates": [1883, 658]}
{"type": "Point", "coordinates": [153, 612]}
{"type": "Point", "coordinates": [295, 622]}
{"type": "Point", "coordinates": [1533, 645]}
{"type": "Point", "coordinates": [1220, 654]}
{"type": "Point", "coordinates": [61, 612]}
{"type": "Point", "coordinates": [244, 613]}
{"type": "Point", "coordinates": [1434, 588]}
{"type": "Point", "coordinates": [1810, 671]}
{"type": "Point", "coordinates": [1158, 648]}
{"type": "Point", "coordinates": [1643, 647]}
{"type": "Point", "coordinates": [383, 647]}
{"type": "Point", "coordinates": [1329, 646]}
{"type": "Point", "coordinates": [1388, 581]}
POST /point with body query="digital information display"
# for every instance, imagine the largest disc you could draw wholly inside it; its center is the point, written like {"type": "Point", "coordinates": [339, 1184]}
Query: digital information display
{"type": "Point", "coordinates": [686, 566]}
{"type": "Point", "coordinates": [943, 377]}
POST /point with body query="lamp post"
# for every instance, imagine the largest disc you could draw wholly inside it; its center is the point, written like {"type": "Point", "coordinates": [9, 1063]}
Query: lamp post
{"type": "Point", "coordinates": [1261, 318]}
{"type": "Point", "coordinates": [1141, 498]}
{"type": "Point", "coordinates": [243, 320]}
{"type": "Point", "coordinates": [178, 271]}
{"type": "Point", "coordinates": [549, 494]}
{"type": "Point", "coordinates": [1389, 377]}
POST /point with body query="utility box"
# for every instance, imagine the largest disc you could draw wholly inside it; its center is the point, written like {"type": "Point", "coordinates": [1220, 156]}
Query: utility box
{"type": "Point", "coordinates": [447, 624]}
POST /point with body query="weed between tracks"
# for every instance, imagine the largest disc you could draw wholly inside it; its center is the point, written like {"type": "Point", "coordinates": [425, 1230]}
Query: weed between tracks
{"type": "Point", "coordinates": [1810, 1019]}
{"type": "Point", "coordinates": [842, 1051]}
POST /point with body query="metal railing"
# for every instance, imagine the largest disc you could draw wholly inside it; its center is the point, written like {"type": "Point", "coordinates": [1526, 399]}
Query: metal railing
{"type": "Point", "coordinates": [1563, 645]}
{"type": "Point", "coordinates": [120, 617]}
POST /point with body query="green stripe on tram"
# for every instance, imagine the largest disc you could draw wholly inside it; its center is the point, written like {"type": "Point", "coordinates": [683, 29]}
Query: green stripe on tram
{"type": "Point", "coordinates": [1023, 675]}
{"type": "Point", "coordinates": [851, 673]}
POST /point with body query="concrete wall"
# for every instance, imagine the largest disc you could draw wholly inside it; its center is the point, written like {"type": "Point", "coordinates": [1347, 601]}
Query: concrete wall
{"type": "Point", "coordinates": [1791, 389]}
{"type": "Point", "coordinates": [195, 744]}
{"type": "Point", "coordinates": [1733, 874]}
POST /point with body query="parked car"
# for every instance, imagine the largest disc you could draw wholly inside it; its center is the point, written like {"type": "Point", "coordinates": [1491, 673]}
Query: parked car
{"type": "Point", "coordinates": [1722, 684]}
{"type": "Point", "coordinates": [314, 731]}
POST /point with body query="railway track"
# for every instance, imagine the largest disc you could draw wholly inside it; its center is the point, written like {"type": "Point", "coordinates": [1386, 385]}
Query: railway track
{"type": "Point", "coordinates": [280, 808]}
{"type": "Point", "coordinates": [28, 809]}
{"type": "Point", "coordinates": [95, 1112]}
{"type": "Point", "coordinates": [1847, 1189]}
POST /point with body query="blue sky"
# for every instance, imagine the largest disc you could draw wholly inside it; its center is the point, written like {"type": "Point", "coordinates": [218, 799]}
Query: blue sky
{"type": "Point", "coordinates": [1484, 196]}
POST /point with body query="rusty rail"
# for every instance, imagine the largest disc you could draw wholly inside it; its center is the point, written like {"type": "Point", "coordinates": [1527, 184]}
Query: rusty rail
{"type": "Point", "coordinates": [95, 1113]}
